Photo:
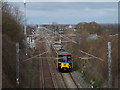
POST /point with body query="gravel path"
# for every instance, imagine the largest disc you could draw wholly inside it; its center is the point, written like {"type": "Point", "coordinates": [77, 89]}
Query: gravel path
{"type": "Point", "coordinates": [78, 78]}
{"type": "Point", "coordinates": [68, 80]}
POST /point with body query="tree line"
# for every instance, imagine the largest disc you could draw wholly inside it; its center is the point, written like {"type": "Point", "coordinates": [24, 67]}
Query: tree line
{"type": "Point", "coordinates": [12, 32]}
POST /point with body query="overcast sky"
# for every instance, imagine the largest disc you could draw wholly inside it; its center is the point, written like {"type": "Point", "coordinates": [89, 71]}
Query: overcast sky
{"type": "Point", "coordinates": [70, 12]}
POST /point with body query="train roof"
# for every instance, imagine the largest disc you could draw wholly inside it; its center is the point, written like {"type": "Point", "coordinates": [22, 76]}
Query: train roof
{"type": "Point", "coordinates": [58, 48]}
{"type": "Point", "coordinates": [62, 52]}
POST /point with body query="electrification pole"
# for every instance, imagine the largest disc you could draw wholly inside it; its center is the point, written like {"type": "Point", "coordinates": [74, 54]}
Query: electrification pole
{"type": "Point", "coordinates": [109, 66]}
{"type": "Point", "coordinates": [25, 27]}
{"type": "Point", "coordinates": [17, 64]}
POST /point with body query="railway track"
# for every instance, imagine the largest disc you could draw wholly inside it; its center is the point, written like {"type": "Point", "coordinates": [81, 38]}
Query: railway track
{"type": "Point", "coordinates": [67, 78]}
{"type": "Point", "coordinates": [41, 72]}
{"type": "Point", "coordinates": [69, 83]}
{"type": "Point", "coordinates": [56, 77]}
{"type": "Point", "coordinates": [76, 83]}
{"type": "Point", "coordinates": [44, 71]}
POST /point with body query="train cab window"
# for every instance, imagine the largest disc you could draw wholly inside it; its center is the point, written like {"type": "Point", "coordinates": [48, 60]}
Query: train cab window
{"type": "Point", "coordinates": [65, 58]}
{"type": "Point", "coordinates": [62, 58]}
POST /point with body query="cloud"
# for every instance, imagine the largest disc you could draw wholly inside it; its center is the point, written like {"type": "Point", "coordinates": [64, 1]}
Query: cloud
{"type": "Point", "coordinates": [71, 12]}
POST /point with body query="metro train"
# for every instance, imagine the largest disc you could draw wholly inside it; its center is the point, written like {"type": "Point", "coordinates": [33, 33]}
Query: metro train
{"type": "Point", "coordinates": [64, 60]}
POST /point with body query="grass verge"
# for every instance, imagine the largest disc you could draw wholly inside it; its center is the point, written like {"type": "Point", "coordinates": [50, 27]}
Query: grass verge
{"type": "Point", "coordinates": [93, 83]}
{"type": "Point", "coordinates": [29, 72]}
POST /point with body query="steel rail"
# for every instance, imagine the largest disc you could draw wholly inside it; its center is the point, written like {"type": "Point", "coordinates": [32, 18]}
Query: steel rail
{"type": "Point", "coordinates": [68, 74]}
{"type": "Point", "coordinates": [41, 72]}
{"type": "Point", "coordinates": [50, 71]}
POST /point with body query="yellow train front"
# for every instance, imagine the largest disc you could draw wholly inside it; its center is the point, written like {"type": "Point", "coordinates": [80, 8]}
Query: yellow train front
{"type": "Point", "coordinates": [64, 61]}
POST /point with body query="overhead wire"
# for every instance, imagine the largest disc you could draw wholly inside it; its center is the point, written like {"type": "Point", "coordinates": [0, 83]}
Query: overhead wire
{"type": "Point", "coordinates": [34, 56]}
{"type": "Point", "coordinates": [78, 44]}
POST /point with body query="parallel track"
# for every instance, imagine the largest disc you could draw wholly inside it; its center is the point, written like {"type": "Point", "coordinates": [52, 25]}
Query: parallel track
{"type": "Point", "coordinates": [42, 74]}
{"type": "Point", "coordinates": [67, 78]}
{"type": "Point", "coordinates": [45, 75]}
{"type": "Point", "coordinates": [69, 74]}
{"type": "Point", "coordinates": [78, 86]}
{"type": "Point", "coordinates": [41, 71]}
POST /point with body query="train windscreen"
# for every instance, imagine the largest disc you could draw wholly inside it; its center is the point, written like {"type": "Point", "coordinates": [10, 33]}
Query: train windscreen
{"type": "Point", "coordinates": [64, 58]}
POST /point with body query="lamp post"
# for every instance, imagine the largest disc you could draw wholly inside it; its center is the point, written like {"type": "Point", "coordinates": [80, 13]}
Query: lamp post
{"type": "Point", "coordinates": [25, 27]}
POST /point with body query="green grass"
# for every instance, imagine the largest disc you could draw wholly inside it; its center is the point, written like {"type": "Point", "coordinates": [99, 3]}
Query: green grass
{"type": "Point", "coordinates": [95, 84]}
{"type": "Point", "coordinates": [84, 76]}
{"type": "Point", "coordinates": [30, 74]}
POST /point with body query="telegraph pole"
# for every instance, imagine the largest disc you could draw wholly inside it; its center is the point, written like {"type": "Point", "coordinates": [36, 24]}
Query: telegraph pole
{"type": "Point", "coordinates": [17, 64]}
{"type": "Point", "coordinates": [109, 66]}
{"type": "Point", "coordinates": [25, 27]}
